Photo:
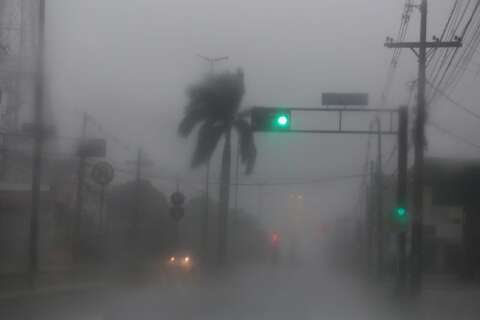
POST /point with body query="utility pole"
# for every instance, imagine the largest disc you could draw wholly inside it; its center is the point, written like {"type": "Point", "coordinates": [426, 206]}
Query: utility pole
{"type": "Point", "coordinates": [80, 187]}
{"type": "Point", "coordinates": [419, 140]}
{"type": "Point", "coordinates": [211, 61]}
{"type": "Point", "coordinates": [38, 145]}
{"type": "Point", "coordinates": [402, 196]}
{"type": "Point", "coordinates": [379, 193]}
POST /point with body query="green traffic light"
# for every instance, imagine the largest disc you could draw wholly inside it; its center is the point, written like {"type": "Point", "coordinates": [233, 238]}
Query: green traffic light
{"type": "Point", "coordinates": [281, 121]}
{"type": "Point", "coordinates": [401, 212]}
{"type": "Point", "coordinates": [400, 215]}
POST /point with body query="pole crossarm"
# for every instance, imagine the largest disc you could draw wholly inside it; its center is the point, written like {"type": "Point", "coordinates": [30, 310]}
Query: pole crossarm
{"type": "Point", "coordinates": [376, 110]}
{"type": "Point", "coordinates": [432, 44]}
{"type": "Point", "coordinates": [392, 132]}
{"type": "Point", "coordinates": [340, 125]}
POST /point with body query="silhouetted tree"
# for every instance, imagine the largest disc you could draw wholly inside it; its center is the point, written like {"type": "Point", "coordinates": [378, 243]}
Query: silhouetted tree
{"type": "Point", "coordinates": [213, 105]}
{"type": "Point", "coordinates": [155, 226]}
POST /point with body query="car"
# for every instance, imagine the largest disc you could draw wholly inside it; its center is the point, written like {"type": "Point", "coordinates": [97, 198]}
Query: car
{"type": "Point", "coordinates": [180, 261]}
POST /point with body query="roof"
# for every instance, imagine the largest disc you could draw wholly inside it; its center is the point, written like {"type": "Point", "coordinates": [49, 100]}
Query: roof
{"type": "Point", "coordinates": [449, 169]}
{"type": "Point", "coordinates": [453, 181]}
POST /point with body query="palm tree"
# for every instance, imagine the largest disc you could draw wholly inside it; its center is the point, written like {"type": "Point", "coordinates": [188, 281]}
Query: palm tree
{"type": "Point", "coordinates": [214, 105]}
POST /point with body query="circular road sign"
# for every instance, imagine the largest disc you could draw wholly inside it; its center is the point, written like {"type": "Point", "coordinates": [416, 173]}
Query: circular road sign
{"type": "Point", "coordinates": [102, 173]}
{"type": "Point", "coordinates": [177, 198]}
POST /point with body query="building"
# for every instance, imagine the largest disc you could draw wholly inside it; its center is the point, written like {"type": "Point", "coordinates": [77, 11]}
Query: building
{"type": "Point", "coordinates": [451, 220]}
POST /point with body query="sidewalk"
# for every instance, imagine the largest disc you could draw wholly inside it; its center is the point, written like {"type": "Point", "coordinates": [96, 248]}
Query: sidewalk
{"type": "Point", "coordinates": [81, 278]}
{"type": "Point", "coordinates": [445, 297]}
{"type": "Point", "coordinates": [17, 286]}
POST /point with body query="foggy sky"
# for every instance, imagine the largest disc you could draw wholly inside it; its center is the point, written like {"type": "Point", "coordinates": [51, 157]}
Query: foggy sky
{"type": "Point", "coordinates": [128, 63]}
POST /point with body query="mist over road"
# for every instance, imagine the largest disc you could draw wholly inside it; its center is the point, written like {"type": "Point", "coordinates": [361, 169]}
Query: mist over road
{"type": "Point", "coordinates": [253, 292]}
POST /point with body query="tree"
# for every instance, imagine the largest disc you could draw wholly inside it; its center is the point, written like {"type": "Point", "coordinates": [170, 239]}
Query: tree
{"type": "Point", "coordinates": [213, 105]}
{"type": "Point", "coordinates": [155, 226]}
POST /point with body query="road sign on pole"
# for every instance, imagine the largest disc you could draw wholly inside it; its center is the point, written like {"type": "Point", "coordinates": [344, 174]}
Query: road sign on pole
{"type": "Point", "coordinates": [102, 173]}
{"type": "Point", "coordinates": [344, 99]}
{"type": "Point", "coordinates": [177, 198]}
{"type": "Point", "coordinates": [177, 211]}
{"type": "Point", "coordinates": [92, 148]}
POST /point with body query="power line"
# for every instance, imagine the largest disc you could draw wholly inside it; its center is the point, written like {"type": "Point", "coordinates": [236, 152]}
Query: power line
{"type": "Point", "coordinates": [278, 182]}
{"type": "Point", "coordinates": [451, 76]}
{"type": "Point", "coordinates": [455, 103]}
{"type": "Point", "coordinates": [452, 135]}
{"type": "Point", "coordinates": [401, 34]}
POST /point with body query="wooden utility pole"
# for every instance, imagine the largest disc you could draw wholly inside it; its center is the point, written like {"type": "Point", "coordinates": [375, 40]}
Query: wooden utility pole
{"type": "Point", "coordinates": [38, 115]}
{"type": "Point", "coordinates": [419, 140]}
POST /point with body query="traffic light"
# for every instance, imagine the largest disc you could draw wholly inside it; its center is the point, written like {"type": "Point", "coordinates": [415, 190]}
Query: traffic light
{"type": "Point", "coordinates": [271, 119]}
{"type": "Point", "coordinates": [400, 214]}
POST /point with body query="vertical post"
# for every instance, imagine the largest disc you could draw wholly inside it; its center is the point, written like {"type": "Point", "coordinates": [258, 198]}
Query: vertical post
{"type": "Point", "coordinates": [102, 209]}
{"type": "Point", "coordinates": [373, 221]}
{"type": "Point", "coordinates": [368, 229]}
{"type": "Point", "coordinates": [176, 235]}
{"type": "Point", "coordinates": [340, 120]}
{"type": "Point", "coordinates": [3, 155]}
{"type": "Point", "coordinates": [80, 187]}
{"type": "Point", "coordinates": [205, 214]}
{"type": "Point", "coordinates": [379, 194]}
{"type": "Point", "coordinates": [402, 196]}
{"type": "Point", "coordinates": [419, 141]}
{"type": "Point", "coordinates": [237, 169]}
{"type": "Point", "coordinates": [136, 204]}
{"type": "Point", "coordinates": [38, 146]}
{"type": "Point", "coordinates": [224, 200]}
{"type": "Point", "coordinates": [212, 66]}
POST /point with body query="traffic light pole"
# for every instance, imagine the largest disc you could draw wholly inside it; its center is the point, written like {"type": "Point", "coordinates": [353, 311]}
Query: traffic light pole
{"type": "Point", "coordinates": [38, 147]}
{"type": "Point", "coordinates": [261, 123]}
{"type": "Point", "coordinates": [379, 193]}
{"type": "Point", "coordinates": [401, 280]}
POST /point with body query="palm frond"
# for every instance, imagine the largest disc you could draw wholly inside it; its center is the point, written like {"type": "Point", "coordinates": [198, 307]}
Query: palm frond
{"type": "Point", "coordinates": [218, 96]}
{"type": "Point", "coordinates": [208, 137]}
{"type": "Point", "coordinates": [189, 121]}
{"type": "Point", "coordinates": [248, 150]}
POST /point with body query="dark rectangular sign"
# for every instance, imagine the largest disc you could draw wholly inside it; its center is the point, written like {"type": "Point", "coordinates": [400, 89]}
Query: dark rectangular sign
{"type": "Point", "coordinates": [344, 99]}
{"type": "Point", "coordinates": [92, 148]}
